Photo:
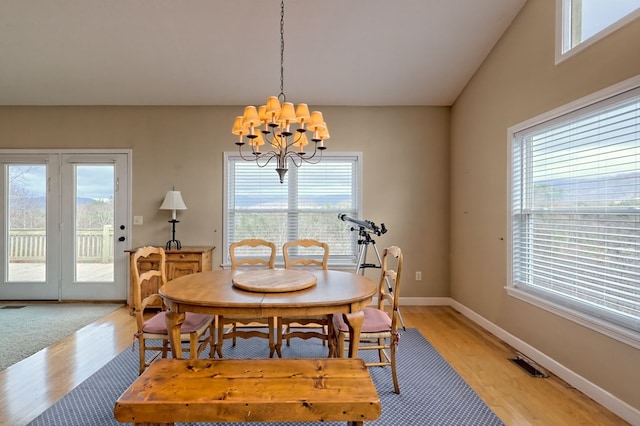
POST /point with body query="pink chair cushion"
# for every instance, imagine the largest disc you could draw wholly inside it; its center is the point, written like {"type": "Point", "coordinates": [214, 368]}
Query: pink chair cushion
{"type": "Point", "coordinates": [157, 324]}
{"type": "Point", "coordinates": [375, 321]}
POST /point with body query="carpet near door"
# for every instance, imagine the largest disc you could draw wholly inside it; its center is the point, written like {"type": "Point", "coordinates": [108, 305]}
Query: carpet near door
{"type": "Point", "coordinates": [33, 327]}
{"type": "Point", "coordinates": [432, 393]}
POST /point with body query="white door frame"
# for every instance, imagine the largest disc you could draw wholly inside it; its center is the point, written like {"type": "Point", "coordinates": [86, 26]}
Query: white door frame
{"type": "Point", "coordinates": [57, 290]}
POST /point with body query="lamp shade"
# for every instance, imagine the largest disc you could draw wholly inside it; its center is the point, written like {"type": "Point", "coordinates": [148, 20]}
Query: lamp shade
{"type": "Point", "coordinates": [250, 117]}
{"type": "Point", "coordinates": [239, 128]}
{"type": "Point", "coordinates": [173, 201]}
{"type": "Point", "coordinates": [316, 121]}
{"type": "Point", "coordinates": [302, 113]}
{"type": "Point", "coordinates": [273, 105]}
{"type": "Point", "coordinates": [287, 113]}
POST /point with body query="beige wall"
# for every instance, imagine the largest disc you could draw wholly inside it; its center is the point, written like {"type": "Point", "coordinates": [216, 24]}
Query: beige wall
{"type": "Point", "coordinates": [408, 181]}
{"type": "Point", "coordinates": [518, 81]}
{"type": "Point", "coordinates": [406, 170]}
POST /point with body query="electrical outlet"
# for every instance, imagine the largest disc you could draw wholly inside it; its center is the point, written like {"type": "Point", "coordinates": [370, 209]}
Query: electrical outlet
{"type": "Point", "coordinates": [137, 220]}
{"type": "Point", "coordinates": [418, 275]}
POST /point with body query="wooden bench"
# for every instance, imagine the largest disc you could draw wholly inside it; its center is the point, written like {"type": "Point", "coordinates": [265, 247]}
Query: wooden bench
{"type": "Point", "coordinates": [250, 390]}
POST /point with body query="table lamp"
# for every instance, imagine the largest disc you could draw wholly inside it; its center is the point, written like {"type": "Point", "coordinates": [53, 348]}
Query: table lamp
{"type": "Point", "coordinates": [173, 201]}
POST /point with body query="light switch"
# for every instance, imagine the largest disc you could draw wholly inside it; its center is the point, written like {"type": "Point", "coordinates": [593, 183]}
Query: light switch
{"type": "Point", "coordinates": [137, 220]}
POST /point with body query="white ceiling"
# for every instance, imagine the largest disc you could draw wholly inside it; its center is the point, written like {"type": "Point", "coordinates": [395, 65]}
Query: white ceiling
{"type": "Point", "coordinates": [215, 52]}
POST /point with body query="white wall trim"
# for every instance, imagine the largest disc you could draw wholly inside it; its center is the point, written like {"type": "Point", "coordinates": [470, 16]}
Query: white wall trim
{"type": "Point", "coordinates": [624, 335]}
{"type": "Point", "coordinates": [606, 399]}
{"type": "Point", "coordinates": [601, 396]}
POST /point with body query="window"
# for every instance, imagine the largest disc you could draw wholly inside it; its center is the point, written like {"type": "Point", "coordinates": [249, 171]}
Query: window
{"type": "Point", "coordinates": [583, 22]}
{"type": "Point", "coordinates": [306, 205]}
{"type": "Point", "coordinates": [575, 212]}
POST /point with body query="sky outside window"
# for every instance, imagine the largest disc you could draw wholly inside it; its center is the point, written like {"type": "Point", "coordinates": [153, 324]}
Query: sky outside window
{"type": "Point", "coordinates": [589, 17]}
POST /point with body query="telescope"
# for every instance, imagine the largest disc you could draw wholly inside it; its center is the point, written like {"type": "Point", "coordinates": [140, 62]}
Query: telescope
{"type": "Point", "coordinates": [363, 224]}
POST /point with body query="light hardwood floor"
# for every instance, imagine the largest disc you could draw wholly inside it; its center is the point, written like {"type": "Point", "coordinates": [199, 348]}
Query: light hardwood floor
{"type": "Point", "coordinates": [36, 383]}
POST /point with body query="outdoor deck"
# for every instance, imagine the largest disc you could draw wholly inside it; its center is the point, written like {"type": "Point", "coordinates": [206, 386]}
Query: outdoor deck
{"type": "Point", "coordinates": [29, 272]}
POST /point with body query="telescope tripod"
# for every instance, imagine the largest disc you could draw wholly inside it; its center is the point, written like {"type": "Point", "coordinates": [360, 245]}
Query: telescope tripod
{"type": "Point", "coordinates": [364, 240]}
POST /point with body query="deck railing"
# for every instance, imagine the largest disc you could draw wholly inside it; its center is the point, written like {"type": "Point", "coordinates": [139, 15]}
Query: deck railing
{"type": "Point", "coordinates": [92, 245]}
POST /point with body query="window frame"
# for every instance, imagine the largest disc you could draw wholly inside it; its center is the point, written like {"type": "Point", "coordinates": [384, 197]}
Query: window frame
{"type": "Point", "coordinates": [563, 31]}
{"type": "Point", "coordinates": [346, 262]}
{"type": "Point", "coordinates": [608, 328]}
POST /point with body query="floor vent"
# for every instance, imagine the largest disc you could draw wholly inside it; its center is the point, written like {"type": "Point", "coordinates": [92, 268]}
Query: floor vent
{"type": "Point", "coordinates": [13, 307]}
{"type": "Point", "coordinates": [529, 366]}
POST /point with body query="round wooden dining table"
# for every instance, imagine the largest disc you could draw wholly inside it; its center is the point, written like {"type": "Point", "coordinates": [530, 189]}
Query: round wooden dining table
{"type": "Point", "coordinates": [214, 292]}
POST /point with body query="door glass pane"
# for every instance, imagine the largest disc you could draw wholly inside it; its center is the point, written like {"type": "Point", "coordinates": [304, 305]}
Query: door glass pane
{"type": "Point", "coordinates": [27, 224]}
{"type": "Point", "coordinates": [94, 213]}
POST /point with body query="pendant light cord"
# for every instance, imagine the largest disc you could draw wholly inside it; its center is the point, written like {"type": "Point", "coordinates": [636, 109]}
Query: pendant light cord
{"type": "Point", "coordinates": [282, 95]}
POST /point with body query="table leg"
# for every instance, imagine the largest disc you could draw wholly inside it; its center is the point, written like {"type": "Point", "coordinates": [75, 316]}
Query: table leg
{"type": "Point", "coordinates": [174, 321]}
{"type": "Point", "coordinates": [277, 331]}
{"type": "Point", "coordinates": [275, 337]}
{"type": "Point", "coordinates": [331, 341]}
{"type": "Point", "coordinates": [354, 321]}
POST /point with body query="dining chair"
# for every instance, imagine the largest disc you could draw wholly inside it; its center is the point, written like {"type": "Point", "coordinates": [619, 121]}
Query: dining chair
{"type": "Point", "coordinates": [151, 332]}
{"type": "Point", "coordinates": [249, 253]}
{"type": "Point", "coordinates": [379, 329]}
{"type": "Point", "coordinates": [304, 254]}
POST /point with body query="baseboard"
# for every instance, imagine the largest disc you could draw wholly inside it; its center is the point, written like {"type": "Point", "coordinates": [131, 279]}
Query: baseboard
{"type": "Point", "coordinates": [601, 396]}
{"type": "Point", "coordinates": [604, 398]}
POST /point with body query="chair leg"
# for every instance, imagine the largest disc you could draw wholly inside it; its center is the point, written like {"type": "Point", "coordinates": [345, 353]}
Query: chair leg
{"type": "Point", "coordinates": [142, 351]}
{"type": "Point", "coordinates": [340, 353]}
{"type": "Point", "coordinates": [381, 350]}
{"type": "Point", "coordinates": [287, 331]}
{"type": "Point", "coordinates": [193, 345]}
{"type": "Point", "coordinates": [235, 330]}
{"type": "Point", "coordinates": [165, 348]}
{"type": "Point", "coordinates": [396, 385]}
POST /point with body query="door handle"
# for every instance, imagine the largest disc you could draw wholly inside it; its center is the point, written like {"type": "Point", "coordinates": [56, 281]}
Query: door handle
{"type": "Point", "coordinates": [121, 239]}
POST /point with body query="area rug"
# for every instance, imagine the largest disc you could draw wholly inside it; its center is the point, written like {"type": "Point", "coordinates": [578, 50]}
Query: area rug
{"type": "Point", "coordinates": [431, 392]}
{"type": "Point", "coordinates": [28, 328]}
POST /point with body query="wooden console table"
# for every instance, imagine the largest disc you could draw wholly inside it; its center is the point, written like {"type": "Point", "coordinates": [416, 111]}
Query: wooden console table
{"type": "Point", "coordinates": [186, 261]}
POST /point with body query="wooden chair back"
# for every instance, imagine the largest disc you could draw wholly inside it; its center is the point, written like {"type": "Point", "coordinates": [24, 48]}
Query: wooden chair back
{"type": "Point", "coordinates": [380, 329]}
{"type": "Point", "coordinates": [142, 281]}
{"type": "Point", "coordinates": [308, 259]}
{"type": "Point", "coordinates": [391, 271]}
{"type": "Point", "coordinates": [263, 253]}
{"type": "Point", "coordinates": [152, 333]}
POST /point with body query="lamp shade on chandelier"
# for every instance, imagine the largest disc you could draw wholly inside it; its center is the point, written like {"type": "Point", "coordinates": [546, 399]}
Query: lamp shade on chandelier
{"type": "Point", "coordinates": [280, 130]}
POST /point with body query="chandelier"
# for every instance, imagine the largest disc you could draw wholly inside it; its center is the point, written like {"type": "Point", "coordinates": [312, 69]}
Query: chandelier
{"type": "Point", "coordinates": [279, 130]}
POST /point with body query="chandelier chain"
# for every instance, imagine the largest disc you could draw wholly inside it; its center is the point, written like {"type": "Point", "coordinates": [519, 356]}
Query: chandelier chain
{"type": "Point", "coordinates": [270, 126]}
{"type": "Point", "coordinates": [282, 95]}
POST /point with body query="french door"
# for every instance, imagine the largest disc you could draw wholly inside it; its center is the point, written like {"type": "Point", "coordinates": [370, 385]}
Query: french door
{"type": "Point", "coordinates": [65, 226]}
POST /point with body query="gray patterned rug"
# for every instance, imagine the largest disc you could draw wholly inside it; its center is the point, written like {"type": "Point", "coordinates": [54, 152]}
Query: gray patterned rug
{"type": "Point", "coordinates": [30, 327]}
{"type": "Point", "coordinates": [431, 392]}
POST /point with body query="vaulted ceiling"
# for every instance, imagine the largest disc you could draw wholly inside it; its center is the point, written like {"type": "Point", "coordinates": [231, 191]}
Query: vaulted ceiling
{"type": "Point", "coordinates": [215, 52]}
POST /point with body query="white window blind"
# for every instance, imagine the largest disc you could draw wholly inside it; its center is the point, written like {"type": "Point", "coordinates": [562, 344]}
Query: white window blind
{"type": "Point", "coordinates": [306, 205]}
{"type": "Point", "coordinates": [575, 204]}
